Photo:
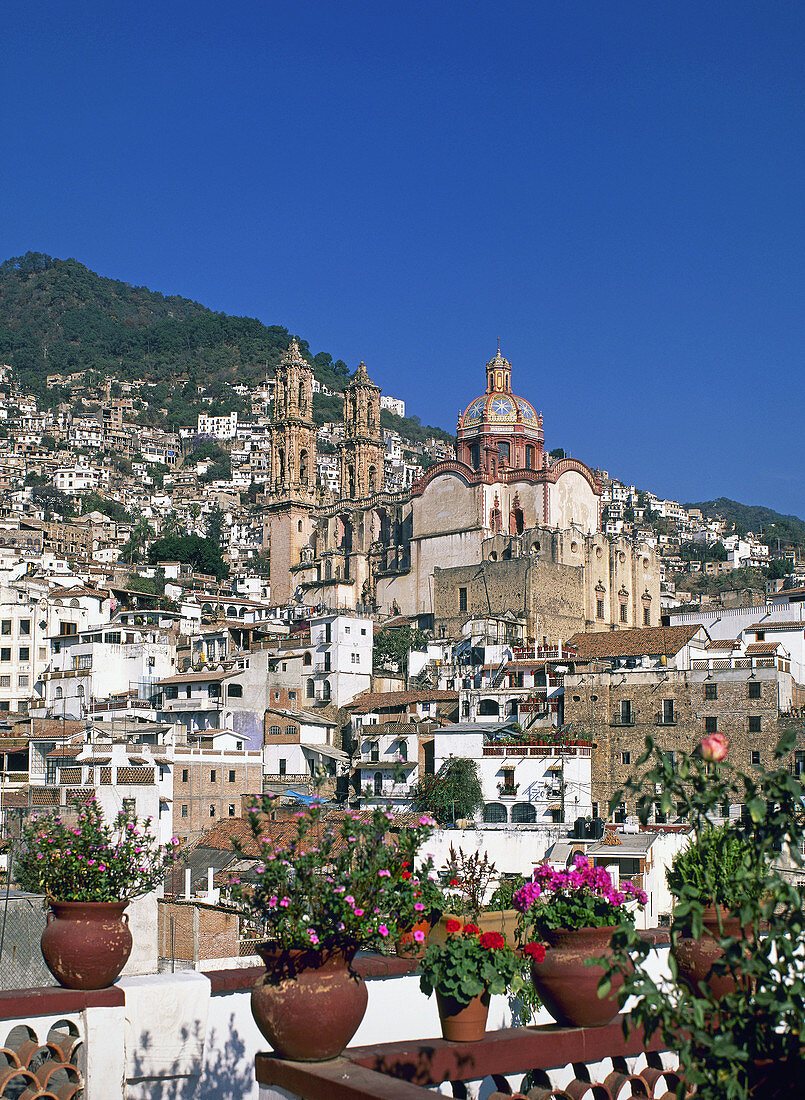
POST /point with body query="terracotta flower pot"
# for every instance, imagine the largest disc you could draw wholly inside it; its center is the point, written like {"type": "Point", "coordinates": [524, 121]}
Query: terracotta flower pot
{"type": "Point", "coordinates": [463, 1023]}
{"type": "Point", "coordinates": [86, 944]}
{"type": "Point", "coordinates": [308, 1004]}
{"type": "Point", "coordinates": [695, 957]}
{"type": "Point", "coordinates": [567, 986]}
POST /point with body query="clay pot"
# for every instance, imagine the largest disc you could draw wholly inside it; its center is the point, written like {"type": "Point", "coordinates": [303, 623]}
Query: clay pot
{"type": "Point", "coordinates": [308, 1004]}
{"type": "Point", "coordinates": [567, 986]}
{"type": "Point", "coordinates": [86, 944]}
{"type": "Point", "coordinates": [695, 957]}
{"type": "Point", "coordinates": [463, 1023]}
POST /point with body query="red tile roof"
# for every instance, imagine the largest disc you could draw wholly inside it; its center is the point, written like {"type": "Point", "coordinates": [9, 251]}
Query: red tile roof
{"type": "Point", "coordinates": [638, 642]}
{"type": "Point", "coordinates": [394, 700]}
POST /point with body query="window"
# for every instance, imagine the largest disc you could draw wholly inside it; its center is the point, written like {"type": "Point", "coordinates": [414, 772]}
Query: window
{"type": "Point", "coordinates": [755, 756]}
{"type": "Point", "coordinates": [5, 654]}
{"type": "Point", "coordinates": [235, 691]}
{"type": "Point", "coordinates": [310, 689]}
{"type": "Point", "coordinates": [112, 638]}
{"type": "Point", "coordinates": [711, 725]}
{"type": "Point", "coordinates": [5, 626]}
{"type": "Point", "coordinates": [363, 631]}
{"type": "Point", "coordinates": [307, 659]}
{"type": "Point", "coordinates": [25, 653]}
{"type": "Point", "coordinates": [25, 627]}
{"type": "Point", "coordinates": [754, 723]}
{"type": "Point", "coordinates": [185, 775]}
{"type": "Point", "coordinates": [646, 616]}
{"type": "Point", "coordinates": [626, 717]}
{"type": "Point", "coordinates": [283, 766]}
{"type": "Point", "coordinates": [599, 608]}
{"type": "Point", "coordinates": [356, 657]}
{"type": "Point", "coordinates": [184, 811]}
{"type": "Point", "coordinates": [378, 782]}
{"type": "Point", "coordinates": [213, 775]}
{"type": "Point", "coordinates": [711, 691]}
{"type": "Point", "coordinates": [291, 694]}
{"type": "Point", "coordinates": [231, 810]}
{"type": "Point", "coordinates": [346, 630]}
{"type": "Point", "coordinates": [668, 712]}
{"type": "Point", "coordinates": [529, 458]}
{"type": "Point", "coordinates": [231, 775]}
{"type": "Point", "coordinates": [624, 613]}
{"type": "Point", "coordinates": [80, 691]}
{"type": "Point", "coordinates": [23, 681]}
{"type": "Point", "coordinates": [462, 599]}
{"type": "Point", "coordinates": [212, 811]}
{"type": "Point", "coordinates": [59, 693]}
{"type": "Point", "coordinates": [754, 689]}
{"type": "Point", "coordinates": [82, 661]}
{"type": "Point", "coordinates": [290, 731]}
{"type": "Point", "coordinates": [626, 758]}
{"type": "Point", "coordinates": [5, 681]}
{"type": "Point", "coordinates": [274, 731]}
{"type": "Point", "coordinates": [620, 813]}
{"type": "Point", "coordinates": [374, 752]}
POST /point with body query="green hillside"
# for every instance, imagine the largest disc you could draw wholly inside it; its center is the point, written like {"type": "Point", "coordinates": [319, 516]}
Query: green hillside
{"type": "Point", "coordinates": [773, 527]}
{"type": "Point", "coordinates": [58, 317]}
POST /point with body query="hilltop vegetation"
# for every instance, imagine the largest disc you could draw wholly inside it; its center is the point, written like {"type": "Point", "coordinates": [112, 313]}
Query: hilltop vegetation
{"type": "Point", "coordinates": [769, 525]}
{"type": "Point", "coordinates": [58, 317]}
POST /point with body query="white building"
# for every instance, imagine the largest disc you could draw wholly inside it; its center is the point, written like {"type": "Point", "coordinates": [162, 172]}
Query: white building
{"type": "Point", "coordinates": [221, 427]}
{"type": "Point", "coordinates": [342, 658]}
{"type": "Point", "coordinates": [393, 404]}
{"type": "Point", "coordinates": [525, 782]}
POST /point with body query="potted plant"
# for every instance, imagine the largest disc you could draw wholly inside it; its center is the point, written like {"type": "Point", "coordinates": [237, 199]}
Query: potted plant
{"type": "Point", "coordinates": [463, 972]}
{"type": "Point", "coordinates": [89, 871]}
{"type": "Point", "coordinates": [321, 890]}
{"type": "Point", "coordinates": [746, 1040]}
{"type": "Point", "coordinates": [719, 872]}
{"type": "Point", "coordinates": [415, 904]}
{"type": "Point", "coordinates": [572, 913]}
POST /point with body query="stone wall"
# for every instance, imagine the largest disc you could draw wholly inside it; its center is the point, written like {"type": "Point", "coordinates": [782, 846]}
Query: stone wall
{"type": "Point", "coordinates": [593, 701]}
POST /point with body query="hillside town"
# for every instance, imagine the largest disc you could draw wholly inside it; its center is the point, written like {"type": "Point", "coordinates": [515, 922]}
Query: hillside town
{"type": "Point", "coordinates": [537, 606]}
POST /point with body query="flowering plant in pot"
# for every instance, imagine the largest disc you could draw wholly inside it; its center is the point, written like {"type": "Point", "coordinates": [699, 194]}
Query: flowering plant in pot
{"type": "Point", "coordinates": [739, 1036]}
{"type": "Point", "coordinates": [89, 870]}
{"type": "Point", "coordinates": [323, 887]}
{"type": "Point", "coordinates": [572, 913]}
{"type": "Point", "coordinates": [416, 901]}
{"type": "Point", "coordinates": [463, 972]}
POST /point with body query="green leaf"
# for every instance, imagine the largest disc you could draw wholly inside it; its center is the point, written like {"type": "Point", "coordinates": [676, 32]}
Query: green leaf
{"type": "Point", "coordinates": [757, 809]}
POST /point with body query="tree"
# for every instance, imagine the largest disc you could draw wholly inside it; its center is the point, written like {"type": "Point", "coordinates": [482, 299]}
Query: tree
{"type": "Point", "coordinates": [190, 549]}
{"type": "Point", "coordinates": [215, 526]}
{"type": "Point", "coordinates": [454, 792]}
{"type": "Point", "coordinates": [392, 646]}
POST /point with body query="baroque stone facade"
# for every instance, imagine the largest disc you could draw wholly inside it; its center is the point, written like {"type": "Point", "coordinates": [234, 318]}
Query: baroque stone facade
{"type": "Point", "coordinates": [502, 521]}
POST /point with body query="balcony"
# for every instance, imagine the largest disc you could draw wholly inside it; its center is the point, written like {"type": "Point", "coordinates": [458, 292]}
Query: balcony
{"type": "Point", "coordinates": [619, 719]}
{"type": "Point", "coordinates": [508, 790]}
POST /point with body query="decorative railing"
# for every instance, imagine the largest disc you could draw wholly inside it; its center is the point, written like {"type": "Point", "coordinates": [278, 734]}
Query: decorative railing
{"type": "Point", "coordinates": [546, 1060]}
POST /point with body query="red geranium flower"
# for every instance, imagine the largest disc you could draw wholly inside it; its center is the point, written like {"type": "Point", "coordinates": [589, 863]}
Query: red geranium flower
{"type": "Point", "coordinates": [454, 882]}
{"type": "Point", "coordinates": [536, 951]}
{"type": "Point", "coordinates": [471, 929]}
{"type": "Point", "coordinates": [453, 925]}
{"type": "Point", "coordinates": [491, 941]}
{"type": "Point", "coordinates": [405, 874]}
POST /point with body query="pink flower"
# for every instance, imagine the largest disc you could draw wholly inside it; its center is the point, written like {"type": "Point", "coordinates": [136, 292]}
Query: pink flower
{"type": "Point", "coordinates": [419, 906]}
{"type": "Point", "coordinates": [426, 820]}
{"type": "Point", "coordinates": [358, 912]}
{"type": "Point", "coordinates": [384, 874]}
{"type": "Point", "coordinates": [383, 930]}
{"type": "Point", "coordinates": [419, 936]}
{"type": "Point", "coordinates": [284, 903]}
{"type": "Point", "coordinates": [715, 746]}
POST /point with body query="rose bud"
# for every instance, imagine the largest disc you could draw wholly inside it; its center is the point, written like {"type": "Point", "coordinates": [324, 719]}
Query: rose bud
{"type": "Point", "coordinates": [715, 746]}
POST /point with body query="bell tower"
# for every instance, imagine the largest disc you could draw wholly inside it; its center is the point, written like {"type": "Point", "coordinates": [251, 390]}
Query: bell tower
{"type": "Point", "coordinates": [291, 491]}
{"type": "Point", "coordinates": [362, 449]}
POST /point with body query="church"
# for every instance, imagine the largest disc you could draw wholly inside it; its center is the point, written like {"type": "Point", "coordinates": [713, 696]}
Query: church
{"type": "Point", "coordinates": [499, 530]}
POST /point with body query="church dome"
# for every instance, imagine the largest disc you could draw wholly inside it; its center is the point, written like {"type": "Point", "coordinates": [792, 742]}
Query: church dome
{"type": "Point", "coordinates": [499, 405]}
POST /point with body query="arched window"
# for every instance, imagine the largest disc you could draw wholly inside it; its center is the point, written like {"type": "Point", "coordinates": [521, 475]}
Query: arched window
{"type": "Point", "coordinates": [59, 693]}
{"type": "Point", "coordinates": [325, 690]}
{"type": "Point", "coordinates": [235, 691]}
{"type": "Point", "coordinates": [504, 452]}
{"type": "Point", "coordinates": [372, 479]}
{"type": "Point", "coordinates": [280, 465]}
{"type": "Point", "coordinates": [303, 466]}
{"type": "Point", "coordinates": [489, 707]}
{"type": "Point", "coordinates": [378, 782]}
{"type": "Point", "coordinates": [274, 731]}
{"type": "Point", "coordinates": [80, 691]}
{"type": "Point", "coordinates": [310, 689]}
{"type": "Point", "coordinates": [403, 749]}
{"type": "Point", "coordinates": [351, 480]}
{"type": "Point", "coordinates": [495, 814]}
{"type": "Point", "coordinates": [523, 813]}
{"type": "Point", "coordinates": [290, 731]}
{"type": "Point", "coordinates": [475, 456]}
{"type": "Point", "coordinates": [529, 458]}
{"type": "Point", "coordinates": [307, 659]}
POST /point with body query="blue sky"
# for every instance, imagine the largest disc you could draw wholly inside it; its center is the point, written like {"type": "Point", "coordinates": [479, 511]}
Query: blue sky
{"type": "Point", "coordinates": [614, 189]}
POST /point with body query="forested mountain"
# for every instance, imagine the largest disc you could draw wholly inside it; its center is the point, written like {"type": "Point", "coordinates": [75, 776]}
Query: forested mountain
{"type": "Point", "coordinates": [58, 317]}
{"type": "Point", "coordinates": [771, 525]}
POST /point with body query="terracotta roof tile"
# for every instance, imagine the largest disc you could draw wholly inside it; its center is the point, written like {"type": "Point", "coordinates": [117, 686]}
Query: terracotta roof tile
{"type": "Point", "coordinates": [637, 642]}
{"type": "Point", "coordinates": [390, 700]}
